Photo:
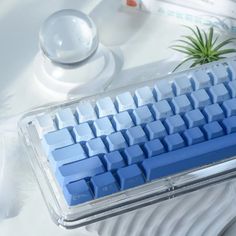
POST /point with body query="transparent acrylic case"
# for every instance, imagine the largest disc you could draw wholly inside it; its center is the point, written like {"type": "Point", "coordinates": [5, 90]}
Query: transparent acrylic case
{"type": "Point", "coordinates": [121, 202]}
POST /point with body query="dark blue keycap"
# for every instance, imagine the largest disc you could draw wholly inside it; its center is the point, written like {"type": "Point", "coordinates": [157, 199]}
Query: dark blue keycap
{"type": "Point", "coordinates": [130, 176]}
{"type": "Point", "coordinates": [213, 130]}
{"type": "Point", "coordinates": [113, 161]}
{"type": "Point", "coordinates": [194, 118]}
{"type": "Point", "coordinates": [174, 141]}
{"type": "Point", "coordinates": [175, 124]}
{"type": "Point", "coordinates": [134, 154]}
{"type": "Point", "coordinates": [142, 115]}
{"type": "Point", "coordinates": [181, 104]}
{"type": "Point", "coordinates": [135, 135]}
{"type": "Point", "coordinates": [155, 130]}
{"type": "Point", "coordinates": [230, 107]}
{"type": "Point", "coordinates": [213, 113]}
{"type": "Point", "coordinates": [104, 184]}
{"type": "Point", "coordinates": [161, 110]}
{"type": "Point", "coordinates": [200, 98]}
{"type": "Point", "coordinates": [154, 148]}
{"type": "Point", "coordinates": [219, 93]}
{"type": "Point", "coordinates": [230, 124]}
{"type": "Point", "coordinates": [115, 141]}
{"type": "Point", "coordinates": [193, 136]}
{"type": "Point", "coordinates": [190, 157]}
{"type": "Point", "coordinates": [77, 192]}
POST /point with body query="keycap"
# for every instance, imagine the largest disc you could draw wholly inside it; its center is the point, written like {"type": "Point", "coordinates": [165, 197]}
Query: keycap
{"type": "Point", "coordinates": [193, 136]}
{"type": "Point", "coordinates": [182, 85]}
{"type": "Point", "coordinates": [122, 121]}
{"type": "Point", "coordinates": [163, 89]}
{"type": "Point", "coordinates": [143, 96]}
{"type": "Point", "coordinates": [232, 70]}
{"type": "Point", "coordinates": [125, 102]}
{"type": "Point", "coordinates": [194, 118]}
{"type": "Point", "coordinates": [85, 112]}
{"type": "Point", "coordinates": [161, 110]}
{"type": "Point", "coordinates": [130, 176]}
{"type": "Point", "coordinates": [113, 161]}
{"type": "Point", "coordinates": [230, 124]}
{"type": "Point", "coordinates": [200, 98]}
{"type": "Point", "coordinates": [175, 124]}
{"type": "Point", "coordinates": [154, 148]}
{"type": "Point", "coordinates": [219, 93]}
{"type": "Point", "coordinates": [133, 154]}
{"type": "Point", "coordinates": [142, 115]}
{"type": "Point", "coordinates": [229, 107]}
{"type": "Point", "coordinates": [213, 112]}
{"type": "Point", "coordinates": [77, 192]}
{"type": "Point", "coordinates": [189, 157]}
{"type": "Point", "coordinates": [102, 127]}
{"type": "Point", "coordinates": [66, 155]}
{"type": "Point", "coordinates": [105, 107]}
{"type": "Point", "coordinates": [232, 88]}
{"type": "Point", "coordinates": [116, 141]}
{"type": "Point", "coordinates": [104, 184]}
{"type": "Point", "coordinates": [213, 130]}
{"type": "Point", "coordinates": [219, 73]}
{"type": "Point", "coordinates": [82, 133]}
{"type": "Point", "coordinates": [65, 118]}
{"type": "Point", "coordinates": [155, 130]}
{"type": "Point", "coordinates": [181, 104]}
{"type": "Point", "coordinates": [95, 147]}
{"type": "Point", "coordinates": [57, 139]}
{"type": "Point", "coordinates": [75, 171]}
{"type": "Point", "coordinates": [173, 142]}
{"type": "Point", "coordinates": [200, 79]}
{"type": "Point", "coordinates": [135, 135]}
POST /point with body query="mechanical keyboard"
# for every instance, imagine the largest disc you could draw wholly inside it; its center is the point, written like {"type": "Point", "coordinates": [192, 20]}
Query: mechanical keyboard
{"type": "Point", "coordinates": [110, 148]}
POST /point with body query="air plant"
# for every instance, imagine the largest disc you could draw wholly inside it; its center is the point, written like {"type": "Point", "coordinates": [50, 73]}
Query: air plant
{"type": "Point", "coordinates": [202, 47]}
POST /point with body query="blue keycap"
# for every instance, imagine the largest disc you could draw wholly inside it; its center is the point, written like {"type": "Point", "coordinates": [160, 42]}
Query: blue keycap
{"type": "Point", "coordinates": [232, 70]}
{"type": "Point", "coordinates": [143, 96]}
{"type": "Point", "coordinates": [104, 184]}
{"type": "Point", "coordinates": [154, 148]}
{"type": "Point", "coordinates": [219, 93]}
{"type": "Point", "coordinates": [175, 124]}
{"type": "Point", "coordinates": [163, 90]}
{"type": "Point", "coordinates": [130, 176]}
{"type": "Point", "coordinates": [103, 127]}
{"type": "Point", "coordinates": [122, 121]}
{"type": "Point", "coordinates": [230, 107]}
{"type": "Point", "coordinates": [182, 85]}
{"type": "Point", "coordinates": [155, 130]}
{"type": "Point", "coordinates": [181, 104]}
{"type": "Point", "coordinates": [213, 113]}
{"type": "Point", "coordinates": [82, 133]}
{"type": "Point", "coordinates": [200, 98]}
{"type": "Point", "coordinates": [194, 118]}
{"type": "Point", "coordinates": [66, 155]}
{"type": "Point", "coordinates": [135, 135]}
{"type": "Point", "coordinates": [213, 130]}
{"type": "Point", "coordinates": [200, 79]}
{"type": "Point", "coordinates": [133, 154]}
{"type": "Point", "coordinates": [174, 141]}
{"type": "Point", "coordinates": [142, 115]}
{"type": "Point", "coordinates": [161, 110]}
{"type": "Point", "coordinates": [85, 112]}
{"type": "Point", "coordinates": [113, 161]}
{"type": "Point", "coordinates": [232, 88]}
{"type": "Point", "coordinates": [115, 141]}
{"type": "Point", "coordinates": [65, 118]}
{"type": "Point", "coordinates": [193, 136]}
{"type": "Point", "coordinates": [125, 102]}
{"type": "Point", "coordinates": [77, 192]}
{"type": "Point", "coordinates": [105, 107]}
{"type": "Point", "coordinates": [219, 74]}
{"type": "Point", "coordinates": [95, 147]}
{"type": "Point", "coordinates": [230, 124]}
{"type": "Point", "coordinates": [57, 139]}
{"type": "Point", "coordinates": [79, 170]}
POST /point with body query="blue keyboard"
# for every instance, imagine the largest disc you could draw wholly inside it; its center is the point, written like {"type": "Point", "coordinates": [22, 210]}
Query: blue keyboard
{"type": "Point", "coordinates": [100, 148]}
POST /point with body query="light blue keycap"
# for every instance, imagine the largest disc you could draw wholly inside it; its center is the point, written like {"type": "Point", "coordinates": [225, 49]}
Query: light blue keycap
{"type": "Point", "coordinates": [154, 148]}
{"type": "Point", "coordinates": [103, 127]}
{"type": "Point", "coordinates": [163, 89]}
{"type": "Point", "coordinates": [230, 124]}
{"type": "Point", "coordinates": [135, 135]}
{"type": "Point", "coordinates": [142, 115]}
{"type": "Point", "coordinates": [181, 104]}
{"type": "Point", "coordinates": [219, 93]}
{"type": "Point", "coordinates": [83, 169]}
{"type": "Point", "coordinates": [174, 141]}
{"type": "Point", "coordinates": [85, 112]}
{"type": "Point", "coordinates": [213, 130]}
{"type": "Point", "coordinates": [200, 79]}
{"type": "Point", "coordinates": [213, 113]}
{"type": "Point", "coordinates": [182, 85]}
{"type": "Point", "coordinates": [143, 96]}
{"type": "Point", "coordinates": [155, 130]}
{"type": "Point", "coordinates": [57, 139]}
{"type": "Point", "coordinates": [95, 147]}
{"type": "Point", "coordinates": [115, 141]}
{"type": "Point", "coordinates": [161, 110]}
{"type": "Point", "coordinates": [230, 107]}
{"type": "Point", "coordinates": [200, 98]}
{"type": "Point", "coordinates": [232, 69]}
{"type": "Point", "coordinates": [104, 184]}
{"type": "Point", "coordinates": [82, 133]}
{"type": "Point", "coordinates": [113, 161]}
{"type": "Point", "coordinates": [232, 88]}
{"type": "Point", "coordinates": [125, 102]}
{"type": "Point", "coordinates": [133, 155]}
{"type": "Point", "coordinates": [219, 74]}
{"type": "Point", "coordinates": [194, 118]}
{"type": "Point", "coordinates": [130, 176]}
{"type": "Point", "coordinates": [105, 107]}
{"type": "Point", "coordinates": [175, 124]}
{"type": "Point", "coordinates": [122, 121]}
{"type": "Point", "coordinates": [66, 155]}
{"type": "Point", "coordinates": [193, 136]}
{"type": "Point", "coordinates": [65, 118]}
{"type": "Point", "coordinates": [77, 192]}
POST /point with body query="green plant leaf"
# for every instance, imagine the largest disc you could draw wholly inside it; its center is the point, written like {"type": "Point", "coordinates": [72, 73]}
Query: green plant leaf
{"type": "Point", "coordinates": [183, 62]}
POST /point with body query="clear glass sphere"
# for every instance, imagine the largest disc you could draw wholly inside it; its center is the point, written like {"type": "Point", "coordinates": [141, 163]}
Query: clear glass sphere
{"type": "Point", "coordinates": [68, 37]}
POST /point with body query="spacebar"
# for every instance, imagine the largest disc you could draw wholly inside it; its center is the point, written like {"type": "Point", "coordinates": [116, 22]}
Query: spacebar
{"type": "Point", "coordinates": [190, 157]}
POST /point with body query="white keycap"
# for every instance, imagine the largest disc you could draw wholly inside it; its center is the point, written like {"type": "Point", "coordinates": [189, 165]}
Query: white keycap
{"type": "Point", "coordinates": [144, 96]}
{"type": "Point", "coordinates": [163, 90]}
{"type": "Point", "coordinates": [125, 102]}
{"type": "Point", "coordinates": [103, 126]}
{"type": "Point", "coordinates": [232, 67]}
{"type": "Point", "coordinates": [65, 118]}
{"type": "Point", "coordinates": [219, 73]}
{"type": "Point", "coordinates": [44, 124]}
{"type": "Point", "coordinates": [105, 107]}
{"type": "Point", "coordinates": [200, 79]}
{"type": "Point", "coordinates": [85, 112]}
